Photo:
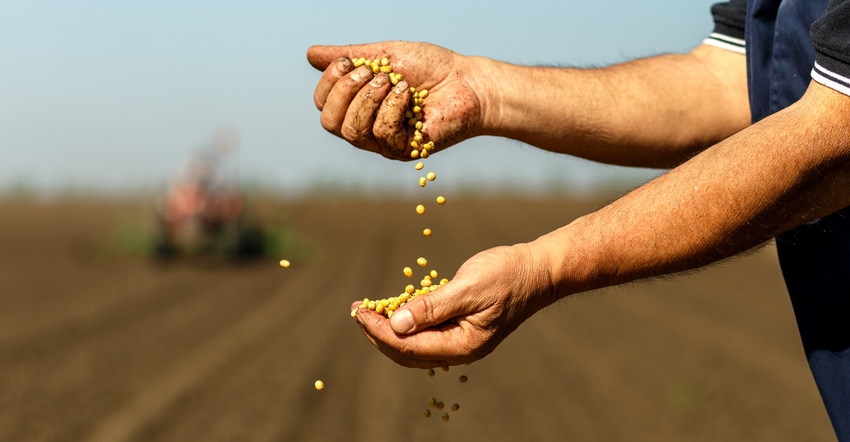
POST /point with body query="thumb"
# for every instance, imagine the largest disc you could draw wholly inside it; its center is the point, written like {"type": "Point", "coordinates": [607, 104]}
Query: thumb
{"type": "Point", "coordinates": [427, 310]}
{"type": "Point", "coordinates": [320, 56]}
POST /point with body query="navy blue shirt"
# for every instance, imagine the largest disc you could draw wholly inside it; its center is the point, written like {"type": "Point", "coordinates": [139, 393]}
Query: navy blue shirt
{"type": "Point", "coordinates": [788, 44]}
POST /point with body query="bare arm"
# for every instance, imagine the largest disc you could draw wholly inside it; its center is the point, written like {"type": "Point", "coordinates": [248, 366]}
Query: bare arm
{"type": "Point", "coordinates": [786, 170]}
{"type": "Point", "coordinates": [654, 112]}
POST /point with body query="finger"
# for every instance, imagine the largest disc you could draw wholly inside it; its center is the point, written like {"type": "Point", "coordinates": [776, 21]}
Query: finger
{"type": "Point", "coordinates": [340, 96]}
{"type": "Point", "coordinates": [389, 130]}
{"type": "Point", "coordinates": [426, 349]}
{"type": "Point", "coordinates": [426, 311]}
{"type": "Point", "coordinates": [357, 126]}
{"type": "Point", "coordinates": [320, 57]}
{"type": "Point", "coordinates": [329, 78]}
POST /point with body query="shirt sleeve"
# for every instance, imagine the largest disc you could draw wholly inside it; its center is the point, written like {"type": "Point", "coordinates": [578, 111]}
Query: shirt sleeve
{"type": "Point", "coordinates": [729, 20]}
{"type": "Point", "coordinates": [831, 37]}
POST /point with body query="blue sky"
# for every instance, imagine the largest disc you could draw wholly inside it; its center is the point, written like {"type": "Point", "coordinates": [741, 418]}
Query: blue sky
{"type": "Point", "coordinates": [115, 95]}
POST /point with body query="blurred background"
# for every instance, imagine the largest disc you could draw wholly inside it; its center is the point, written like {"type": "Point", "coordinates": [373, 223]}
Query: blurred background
{"type": "Point", "coordinates": [157, 160]}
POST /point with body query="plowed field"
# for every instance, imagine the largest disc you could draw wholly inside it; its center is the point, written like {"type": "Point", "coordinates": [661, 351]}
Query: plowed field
{"type": "Point", "coordinates": [100, 343]}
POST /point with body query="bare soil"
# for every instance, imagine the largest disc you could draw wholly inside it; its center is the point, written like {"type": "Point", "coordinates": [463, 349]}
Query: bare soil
{"type": "Point", "coordinates": [98, 342]}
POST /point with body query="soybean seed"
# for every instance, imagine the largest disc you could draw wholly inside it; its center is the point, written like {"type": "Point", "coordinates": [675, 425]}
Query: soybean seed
{"type": "Point", "coordinates": [441, 200]}
{"type": "Point", "coordinates": [419, 165]}
{"type": "Point", "coordinates": [432, 402]}
{"type": "Point", "coordinates": [431, 176]}
{"type": "Point", "coordinates": [431, 372]}
{"type": "Point", "coordinates": [427, 232]}
{"type": "Point", "coordinates": [426, 412]}
{"type": "Point", "coordinates": [420, 209]}
{"type": "Point", "coordinates": [319, 385]}
{"type": "Point", "coordinates": [284, 263]}
{"type": "Point", "coordinates": [408, 272]}
{"type": "Point", "coordinates": [445, 417]}
{"type": "Point", "coordinates": [422, 263]}
{"type": "Point", "coordinates": [455, 407]}
{"type": "Point", "coordinates": [463, 379]}
{"type": "Point", "coordinates": [440, 405]}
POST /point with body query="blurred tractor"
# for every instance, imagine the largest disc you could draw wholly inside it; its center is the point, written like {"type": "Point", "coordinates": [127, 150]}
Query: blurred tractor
{"type": "Point", "coordinates": [201, 215]}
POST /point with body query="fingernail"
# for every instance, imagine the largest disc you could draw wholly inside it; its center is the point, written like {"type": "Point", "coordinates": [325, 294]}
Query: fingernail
{"type": "Point", "coordinates": [402, 321]}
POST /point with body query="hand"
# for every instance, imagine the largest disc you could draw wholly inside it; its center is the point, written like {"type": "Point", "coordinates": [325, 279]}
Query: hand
{"type": "Point", "coordinates": [368, 112]}
{"type": "Point", "coordinates": [491, 295]}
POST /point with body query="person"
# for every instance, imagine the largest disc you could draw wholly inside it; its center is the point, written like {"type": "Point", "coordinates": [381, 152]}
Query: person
{"type": "Point", "coordinates": [754, 125]}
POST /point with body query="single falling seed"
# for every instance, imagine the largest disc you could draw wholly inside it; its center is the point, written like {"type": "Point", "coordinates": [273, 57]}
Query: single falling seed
{"type": "Point", "coordinates": [455, 407]}
{"type": "Point", "coordinates": [445, 368]}
{"type": "Point", "coordinates": [284, 263]}
{"type": "Point", "coordinates": [319, 385]}
{"type": "Point", "coordinates": [431, 372]}
{"type": "Point", "coordinates": [419, 165]}
{"type": "Point", "coordinates": [441, 200]}
{"type": "Point", "coordinates": [408, 272]}
{"type": "Point", "coordinates": [463, 379]}
{"type": "Point", "coordinates": [426, 412]}
{"type": "Point", "coordinates": [427, 233]}
{"type": "Point", "coordinates": [431, 176]}
{"type": "Point", "coordinates": [445, 417]}
{"type": "Point", "coordinates": [422, 263]}
{"type": "Point", "coordinates": [432, 402]}
{"type": "Point", "coordinates": [440, 405]}
{"type": "Point", "coordinates": [420, 209]}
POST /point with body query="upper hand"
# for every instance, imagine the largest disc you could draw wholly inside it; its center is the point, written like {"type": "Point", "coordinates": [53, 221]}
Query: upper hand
{"type": "Point", "coordinates": [368, 111]}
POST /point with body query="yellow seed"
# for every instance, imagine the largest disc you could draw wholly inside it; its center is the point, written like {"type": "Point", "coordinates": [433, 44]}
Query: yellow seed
{"type": "Point", "coordinates": [319, 385]}
{"type": "Point", "coordinates": [431, 176]}
{"type": "Point", "coordinates": [441, 200]}
{"type": "Point", "coordinates": [422, 181]}
{"type": "Point", "coordinates": [418, 125]}
{"type": "Point", "coordinates": [440, 405]}
{"type": "Point", "coordinates": [432, 402]}
{"type": "Point", "coordinates": [358, 61]}
{"type": "Point", "coordinates": [354, 313]}
{"type": "Point", "coordinates": [455, 407]}
{"type": "Point", "coordinates": [424, 154]}
{"type": "Point", "coordinates": [408, 114]}
{"type": "Point", "coordinates": [417, 115]}
{"type": "Point", "coordinates": [423, 93]}
{"type": "Point", "coordinates": [427, 232]}
{"type": "Point", "coordinates": [385, 61]}
{"type": "Point", "coordinates": [433, 274]}
{"type": "Point", "coordinates": [408, 272]}
{"type": "Point", "coordinates": [419, 165]}
{"type": "Point", "coordinates": [412, 90]}
{"type": "Point", "coordinates": [420, 209]}
{"type": "Point", "coordinates": [365, 303]}
{"type": "Point", "coordinates": [425, 283]}
{"type": "Point", "coordinates": [394, 79]}
{"type": "Point", "coordinates": [426, 413]}
{"type": "Point", "coordinates": [422, 262]}
{"type": "Point", "coordinates": [444, 281]}
{"type": "Point", "coordinates": [284, 263]}
{"type": "Point", "coordinates": [417, 136]}
{"type": "Point", "coordinates": [431, 372]}
{"type": "Point", "coordinates": [445, 368]}
{"type": "Point", "coordinates": [411, 121]}
{"type": "Point", "coordinates": [379, 308]}
{"type": "Point", "coordinates": [414, 144]}
{"type": "Point", "coordinates": [371, 305]}
{"type": "Point", "coordinates": [390, 313]}
{"type": "Point", "coordinates": [376, 68]}
{"type": "Point", "coordinates": [463, 379]}
{"type": "Point", "coordinates": [416, 109]}
{"type": "Point", "coordinates": [386, 69]}
{"type": "Point", "coordinates": [445, 417]}
{"type": "Point", "coordinates": [410, 289]}
{"type": "Point", "coordinates": [414, 154]}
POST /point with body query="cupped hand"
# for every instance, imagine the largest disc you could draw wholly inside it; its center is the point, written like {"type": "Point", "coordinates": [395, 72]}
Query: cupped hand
{"type": "Point", "coordinates": [490, 296]}
{"type": "Point", "coordinates": [368, 111]}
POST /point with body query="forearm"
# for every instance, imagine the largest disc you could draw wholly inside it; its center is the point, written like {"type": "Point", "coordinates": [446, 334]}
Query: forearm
{"type": "Point", "coordinates": [653, 112]}
{"type": "Point", "coordinates": [789, 169]}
